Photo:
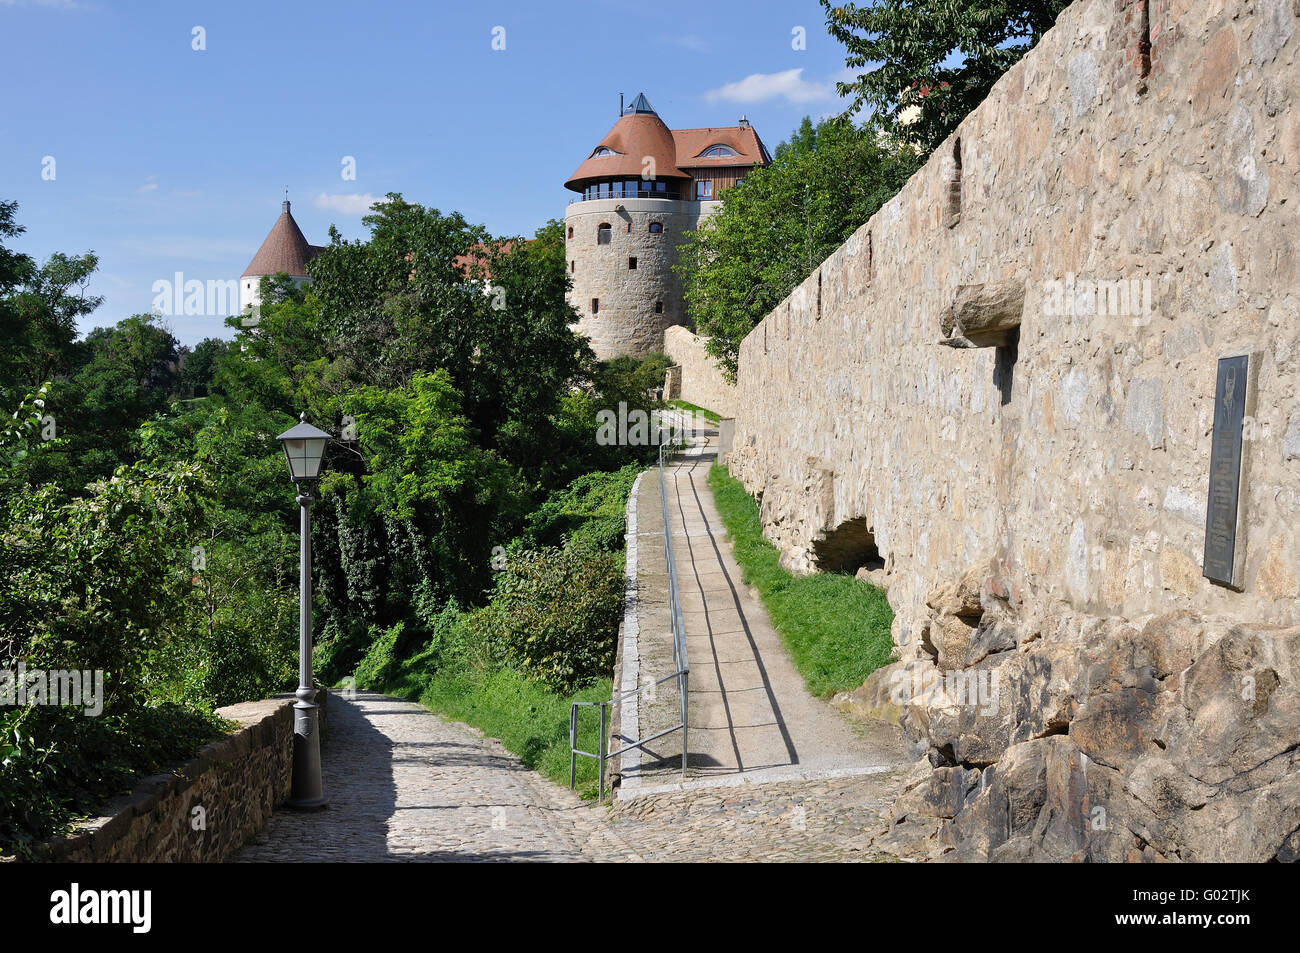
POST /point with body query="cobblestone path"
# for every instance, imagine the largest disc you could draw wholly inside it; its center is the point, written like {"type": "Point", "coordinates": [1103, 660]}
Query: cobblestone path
{"type": "Point", "coordinates": [775, 775]}
{"type": "Point", "coordinates": [407, 785]}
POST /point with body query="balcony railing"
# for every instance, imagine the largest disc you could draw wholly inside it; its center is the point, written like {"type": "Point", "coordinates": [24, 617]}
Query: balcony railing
{"type": "Point", "coordinates": [629, 194]}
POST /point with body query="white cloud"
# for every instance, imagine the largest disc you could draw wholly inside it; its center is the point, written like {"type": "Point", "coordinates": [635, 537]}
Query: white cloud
{"type": "Point", "coordinates": [151, 187]}
{"type": "Point", "coordinates": [689, 41]}
{"type": "Point", "coordinates": [761, 87]}
{"type": "Point", "coordinates": [346, 204]}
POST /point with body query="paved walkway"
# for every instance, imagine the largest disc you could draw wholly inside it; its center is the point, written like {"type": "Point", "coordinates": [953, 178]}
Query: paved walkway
{"type": "Point", "coordinates": [407, 785]}
{"type": "Point", "coordinates": [774, 774]}
{"type": "Point", "coordinates": [751, 717]}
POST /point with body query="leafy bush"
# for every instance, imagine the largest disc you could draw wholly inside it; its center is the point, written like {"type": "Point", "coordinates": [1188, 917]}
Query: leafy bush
{"type": "Point", "coordinates": [589, 512]}
{"type": "Point", "coordinates": [380, 663]}
{"type": "Point", "coordinates": [555, 614]}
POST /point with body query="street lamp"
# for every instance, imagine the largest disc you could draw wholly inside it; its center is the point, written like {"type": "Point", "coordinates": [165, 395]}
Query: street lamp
{"type": "Point", "coordinates": [304, 446]}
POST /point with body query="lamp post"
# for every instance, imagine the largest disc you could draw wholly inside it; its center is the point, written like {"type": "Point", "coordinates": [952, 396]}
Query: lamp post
{"type": "Point", "coordinates": [304, 446]}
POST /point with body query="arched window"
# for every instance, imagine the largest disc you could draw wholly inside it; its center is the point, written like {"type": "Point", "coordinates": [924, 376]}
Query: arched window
{"type": "Point", "coordinates": [603, 233]}
{"type": "Point", "coordinates": [656, 228]}
{"type": "Point", "coordinates": [717, 151]}
{"type": "Point", "coordinates": [603, 151]}
{"type": "Point", "coordinates": [570, 231]}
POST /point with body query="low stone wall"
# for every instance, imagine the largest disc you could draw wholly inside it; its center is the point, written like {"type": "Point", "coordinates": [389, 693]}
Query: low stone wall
{"type": "Point", "coordinates": [204, 810]}
{"type": "Point", "coordinates": [702, 383]}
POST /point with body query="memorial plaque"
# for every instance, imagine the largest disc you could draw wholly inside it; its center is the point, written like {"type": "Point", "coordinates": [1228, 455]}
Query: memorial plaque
{"type": "Point", "coordinates": [1225, 471]}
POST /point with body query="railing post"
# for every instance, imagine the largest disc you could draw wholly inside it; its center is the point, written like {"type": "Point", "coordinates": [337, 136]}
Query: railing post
{"type": "Point", "coordinates": [603, 749]}
{"type": "Point", "coordinates": [573, 746]}
{"type": "Point", "coordinates": [685, 689]}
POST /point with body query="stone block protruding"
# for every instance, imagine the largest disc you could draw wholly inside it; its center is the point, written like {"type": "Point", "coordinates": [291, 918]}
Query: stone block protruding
{"type": "Point", "coordinates": [983, 315]}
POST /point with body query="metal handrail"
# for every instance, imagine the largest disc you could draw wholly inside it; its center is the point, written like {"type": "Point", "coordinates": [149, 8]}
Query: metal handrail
{"type": "Point", "coordinates": [680, 659]}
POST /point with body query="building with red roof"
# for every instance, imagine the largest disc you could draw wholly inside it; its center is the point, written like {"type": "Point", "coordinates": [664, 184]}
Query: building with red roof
{"type": "Point", "coordinates": [641, 189]}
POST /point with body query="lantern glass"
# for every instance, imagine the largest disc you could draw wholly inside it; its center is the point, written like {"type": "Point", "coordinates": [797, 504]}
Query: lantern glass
{"type": "Point", "coordinates": [305, 457]}
{"type": "Point", "coordinates": [304, 447]}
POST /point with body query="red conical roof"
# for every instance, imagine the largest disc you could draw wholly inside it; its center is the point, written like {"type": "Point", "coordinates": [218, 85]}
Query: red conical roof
{"type": "Point", "coordinates": [638, 134]}
{"type": "Point", "coordinates": [285, 250]}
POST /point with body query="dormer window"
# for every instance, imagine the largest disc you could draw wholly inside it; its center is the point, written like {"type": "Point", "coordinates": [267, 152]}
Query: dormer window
{"type": "Point", "coordinates": [717, 151]}
{"type": "Point", "coordinates": [603, 151]}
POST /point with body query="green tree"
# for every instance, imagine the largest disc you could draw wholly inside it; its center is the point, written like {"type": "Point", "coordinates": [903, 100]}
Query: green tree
{"type": "Point", "coordinates": [199, 370]}
{"type": "Point", "coordinates": [927, 63]}
{"type": "Point", "coordinates": [773, 231]}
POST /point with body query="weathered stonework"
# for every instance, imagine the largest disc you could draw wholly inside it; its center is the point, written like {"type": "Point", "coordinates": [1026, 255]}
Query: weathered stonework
{"type": "Point", "coordinates": [237, 781]}
{"type": "Point", "coordinates": [1060, 472]}
{"type": "Point", "coordinates": [700, 381]}
{"type": "Point", "coordinates": [628, 322]}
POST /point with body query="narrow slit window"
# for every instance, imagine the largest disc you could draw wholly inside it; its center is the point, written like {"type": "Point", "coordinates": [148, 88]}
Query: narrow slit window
{"type": "Point", "coordinates": [1144, 40]}
{"type": "Point", "coordinates": [595, 306]}
{"type": "Point", "coordinates": [952, 204]}
{"type": "Point", "coordinates": [631, 264]}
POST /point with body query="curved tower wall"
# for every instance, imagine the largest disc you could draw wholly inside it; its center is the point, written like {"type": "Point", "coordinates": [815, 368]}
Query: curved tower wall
{"type": "Point", "coordinates": [627, 322]}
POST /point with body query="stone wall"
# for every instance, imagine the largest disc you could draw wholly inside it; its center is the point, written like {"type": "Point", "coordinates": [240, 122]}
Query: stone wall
{"type": "Point", "coordinates": [1024, 465]}
{"type": "Point", "coordinates": [235, 782]}
{"type": "Point", "coordinates": [702, 383]}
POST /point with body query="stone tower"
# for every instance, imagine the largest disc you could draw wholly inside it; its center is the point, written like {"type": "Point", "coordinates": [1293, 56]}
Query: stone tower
{"type": "Point", "coordinates": [284, 250]}
{"type": "Point", "coordinates": [642, 188]}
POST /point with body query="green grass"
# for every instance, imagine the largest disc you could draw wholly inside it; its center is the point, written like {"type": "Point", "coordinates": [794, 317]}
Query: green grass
{"type": "Point", "coordinates": [711, 416]}
{"type": "Point", "coordinates": [528, 718]}
{"type": "Point", "coordinates": [836, 627]}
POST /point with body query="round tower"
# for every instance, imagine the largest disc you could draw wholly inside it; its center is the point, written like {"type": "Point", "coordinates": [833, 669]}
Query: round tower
{"type": "Point", "coordinates": [285, 250]}
{"type": "Point", "coordinates": [634, 206]}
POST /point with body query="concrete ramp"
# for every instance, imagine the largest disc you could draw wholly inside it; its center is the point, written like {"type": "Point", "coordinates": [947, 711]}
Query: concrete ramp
{"type": "Point", "coordinates": [751, 717]}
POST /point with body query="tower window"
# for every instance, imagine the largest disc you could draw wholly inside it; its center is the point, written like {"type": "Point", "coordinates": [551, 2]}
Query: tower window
{"type": "Point", "coordinates": [603, 233]}
{"type": "Point", "coordinates": [631, 264]}
{"type": "Point", "coordinates": [656, 228]}
{"type": "Point", "coordinates": [704, 190]}
{"type": "Point", "coordinates": [595, 306]}
{"type": "Point", "coordinates": [573, 264]}
{"type": "Point", "coordinates": [659, 307]}
{"type": "Point", "coordinates": [570, 231]}
{"type": "Point", "coordinates": [629, 228]}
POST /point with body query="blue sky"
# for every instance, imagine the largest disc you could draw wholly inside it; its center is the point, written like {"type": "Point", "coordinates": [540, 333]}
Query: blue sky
{"type": "Point", "coordinates": [170, 159]}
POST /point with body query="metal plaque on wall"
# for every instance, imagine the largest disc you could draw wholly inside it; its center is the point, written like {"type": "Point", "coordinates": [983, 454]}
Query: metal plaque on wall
{"type": "Point", "coordinates": [1225, 471]}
